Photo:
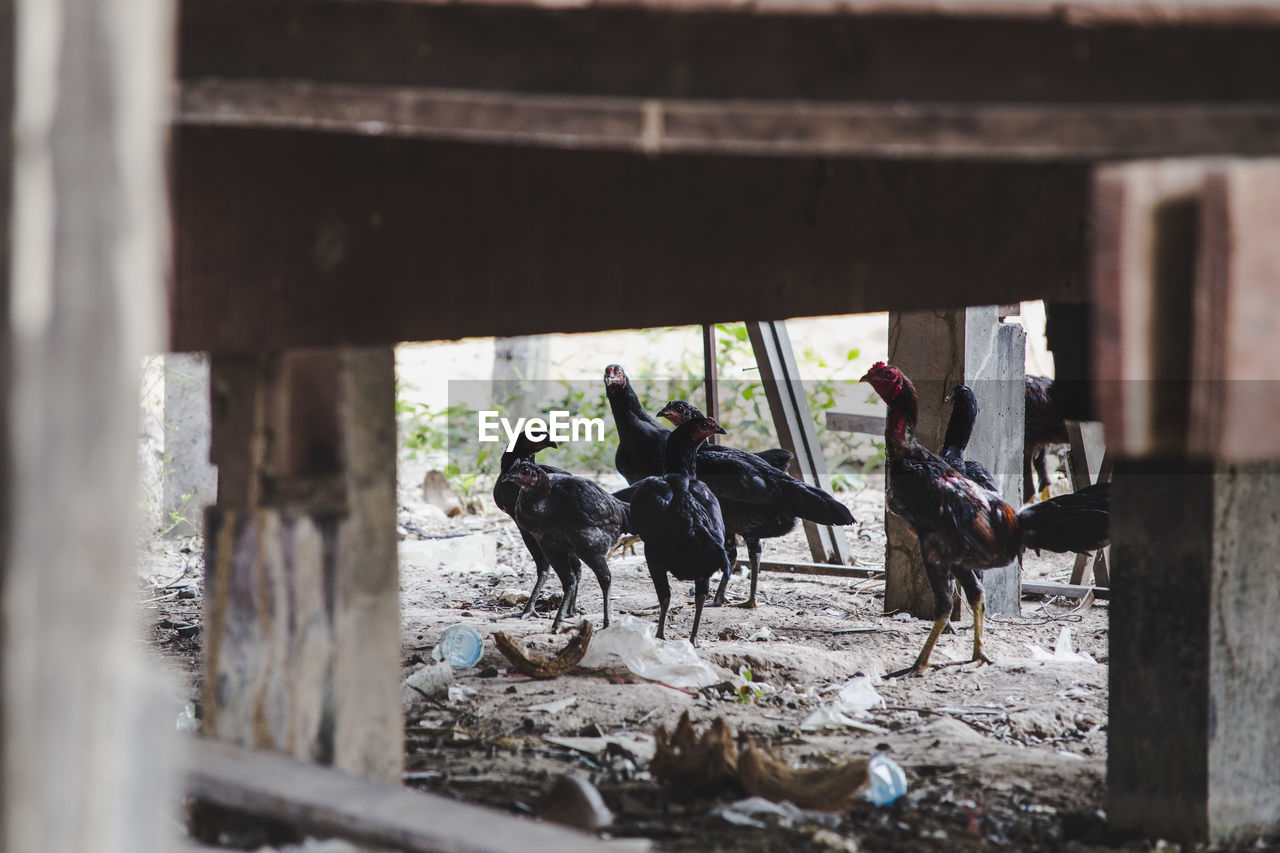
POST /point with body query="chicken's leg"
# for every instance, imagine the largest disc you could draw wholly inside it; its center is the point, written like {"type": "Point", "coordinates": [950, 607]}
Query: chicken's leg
{"type": "Point", "coordinates": [972, 587]}
{"type": "Point", "coordinates": [922, 662]}
{"type": "Point", "coordinates": [731, 550]}
{"type": "Point", "coordinates": [600, 567]}
{"type": "Point", "coordinates": [753, 557]}
{"type": "Point", "coordinates": [699, 596]}
{"type": "Point", "coordinates": [663, 588]}
{"type": "Point", "coordinates": [542, 567]}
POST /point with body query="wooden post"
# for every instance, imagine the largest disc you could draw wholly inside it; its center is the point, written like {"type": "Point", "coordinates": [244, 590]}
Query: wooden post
{"type": "Point", "coordinates": [88, 752]}
{"type": "Point", "coordinates": [1187, 249]}
{"type": "Point", "coordinates": [794, 422]}
{"type": "Point", "coordinates": [711, 374]}
{"type": "Point", "coordinates": [938, 350]}
{"type": "Point", "coordinates": [302, 607]}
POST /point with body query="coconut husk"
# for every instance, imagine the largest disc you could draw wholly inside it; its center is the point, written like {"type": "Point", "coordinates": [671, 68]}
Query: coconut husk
{"type": "Point", "coordinates": [713, 763]}
{"type": "Point", "coordinates": [703, 765]}
{"type": "Point", "coordinates": [536, 666]}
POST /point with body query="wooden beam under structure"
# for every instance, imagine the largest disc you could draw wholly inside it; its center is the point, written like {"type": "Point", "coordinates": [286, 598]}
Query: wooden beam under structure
{"type": "Point", "coordinates": [794, 423]}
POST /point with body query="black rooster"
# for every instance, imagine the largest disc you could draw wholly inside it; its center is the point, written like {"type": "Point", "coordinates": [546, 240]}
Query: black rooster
{"type": "Point", "coordinates": [1045, 424]}
{"type": "Point", "coordinates": [964, 412]}
{"type": "Point", "coordinates": [758, 501]}
{"type": "Point", "coordinates": [679, 520]}
{"type": "Point", "coordinates": [642, 441]}
{"type": "Point", "coordinates": [505, 494]}
{"type": "Point", "coordinates": [571, 519]}
{"type": "Point", "coordinates": [963, 527]}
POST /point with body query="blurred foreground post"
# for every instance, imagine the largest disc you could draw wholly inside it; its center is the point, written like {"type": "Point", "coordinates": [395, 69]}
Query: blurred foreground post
{"type": "Point", "coordinates": [86, 734]}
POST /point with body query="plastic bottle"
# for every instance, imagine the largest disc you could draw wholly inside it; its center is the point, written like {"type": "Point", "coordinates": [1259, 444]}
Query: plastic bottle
{"type": "Point", "coordinates": [461, 645]}
{"type": "Point", "coordinates": [887, 782]}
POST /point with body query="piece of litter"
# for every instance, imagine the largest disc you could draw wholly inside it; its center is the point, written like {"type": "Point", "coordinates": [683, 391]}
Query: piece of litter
{"type": "Point", "coordinates": [1062, 651]}
{"type": "Point", "coordinates": [857, 696]}
{"type": "Point", "coordinates": [828, 717]}
{"type": "Point", "coordinates": [672, 662]}
{"type": "Point", "coordinates": [764, 635]}
{"type": "Point", "coordinates": [554, 707]}
{"type": "Point", "coordinates": [458, 693]}
{"type": "Point", "coordinates": [749, 812]}
{"type": "Point", "coordinates": [638, 746]}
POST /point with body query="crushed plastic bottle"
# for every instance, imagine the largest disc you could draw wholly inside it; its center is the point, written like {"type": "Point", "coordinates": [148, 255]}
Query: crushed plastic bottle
{"type": "Point", "coordinates": [887, 782]}
{"type": "Point", "coordinates": [461, 645]}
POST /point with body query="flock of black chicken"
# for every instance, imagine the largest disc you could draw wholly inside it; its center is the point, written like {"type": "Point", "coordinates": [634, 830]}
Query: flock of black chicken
{"type": "Point", "coordinates": [689, 500]}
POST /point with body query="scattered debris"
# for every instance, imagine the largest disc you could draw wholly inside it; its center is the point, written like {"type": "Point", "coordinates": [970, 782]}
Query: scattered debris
{"type": "Point", "coordinates": [713, 763]}
{"type": "Point", "coordinates": [554, 707]}
{"type": "Point", "coordinates": [749, 812]}
{"type": "Point", "coordinates": [574, 801]}
{"type": "Point", "coordinates": [764, 635]}
{"type": "Point", "coordinates": [856, 697]}
{"type": "Point", "coordinates": [638, 747]}
{"type": "Point", "coordinates": [672, 662]}
{"type": "Point", "coordinates": [426, 681]}
{"type": "Point", "coordinates": [1062, 651]}
{"type": "Point", "coordinates": [539, 667]}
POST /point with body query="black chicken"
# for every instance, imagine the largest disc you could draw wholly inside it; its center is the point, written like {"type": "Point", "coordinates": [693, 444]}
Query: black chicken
{"type": "Point", "coordinates": [679, 520]}
{"type": "Point", "coordinates": [505, 494]}
{"type": "Point", "coordinates": [1045, 425]}
{"type": "Point", "coordinates": [642, 440]}
{"type": "Point", "coordinates": [758, 501]}
{"type": "Point", "coordinates": [571, 519]}
{"type": "Point", "coordinates": [963, 527]}
{"type": "Point", "coordinates": [964, 412]}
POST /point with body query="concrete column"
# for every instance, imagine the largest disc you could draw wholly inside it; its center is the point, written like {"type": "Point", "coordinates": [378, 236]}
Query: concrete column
{"type": "Point", "coordinates": [189, 480]}
{"type": "Point", "coordinates": [938, 350]}
{"type": "Point", "coordinates": [1192, 744]}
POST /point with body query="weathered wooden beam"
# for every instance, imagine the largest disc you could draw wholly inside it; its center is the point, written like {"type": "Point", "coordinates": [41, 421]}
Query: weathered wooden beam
{"type": "Point", "coordinates": [802, 50]}
{"type": "Point", "coordinates": [325, 802]}
{"type": "Point", "coordinates": [736, 127]}
{"type": "Point", "coordinates": [378, 241]}
{"type": "Point", "coordinates": [818, 569]}
{"type": "Point", "coordinates": [794, 423]}
{"type": "Point", "coordinates": [87, 751]}
{"type": "Point", "coordinates": [301, 612]}
{"type": "Point", "coordinates": [1189, 347]}
{"type": "Point", "coordinates": [851, 422]}
{"type": "Point", "coordinates": [1066, 590]}
{"type": "Point", "coordinates": [1192, 653]}
{"type": "Point", "coordinates": [938, 350]}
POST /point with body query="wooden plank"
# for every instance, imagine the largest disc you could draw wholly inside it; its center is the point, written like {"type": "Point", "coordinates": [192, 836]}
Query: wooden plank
{"type": "Point", "coordinates": [794, 423]}
{"type": "Point", "coordinates": [1066, 590]}
{"type": "Point", "coordinates": [1089, 464]}
{"type": "Point", "coordinates": [324, 802]}
{"type": "Point", "coordinates": [88, 758]}
{"type": "Point", "coordinates": [851, 422]}
{"type": "Point", "coordinates": [361, 252]}
{"type": "Point", "coordinates": [710, 375]}
{"type": "Point", "coordinates": [770, 50]}
{"type": "Point", "coordinates": [817, 569]}
{"type": "Point", "coordinates": [653, 126]}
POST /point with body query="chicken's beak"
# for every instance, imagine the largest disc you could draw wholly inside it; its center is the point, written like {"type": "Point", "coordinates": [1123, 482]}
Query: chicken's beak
{"type": "Point", "coordinates": [951, 395]}
{"type": "Point", "coordinates": [551, 444]}
{"type": "Point", "coordinates": [667, 413]}
{"type": "Point", "coordinates": [721, 430]}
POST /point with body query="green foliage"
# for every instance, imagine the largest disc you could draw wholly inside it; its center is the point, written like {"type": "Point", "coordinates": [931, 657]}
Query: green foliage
{"type": "Point", "coordinates": [431, 433]}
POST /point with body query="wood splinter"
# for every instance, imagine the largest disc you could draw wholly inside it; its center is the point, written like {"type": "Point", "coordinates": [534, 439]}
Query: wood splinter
{"type": "Point", "coordinates": [543, 667]}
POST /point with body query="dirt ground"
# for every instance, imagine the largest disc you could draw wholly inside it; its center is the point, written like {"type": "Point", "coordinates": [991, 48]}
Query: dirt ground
{"type": "Point", "coordinates": [1011, 754]}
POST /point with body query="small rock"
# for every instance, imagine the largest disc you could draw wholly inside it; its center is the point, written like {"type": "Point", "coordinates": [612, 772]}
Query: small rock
{"type": "Point", "coordinates": [188, 631]}
{"type": "Point", "coordinates": [437, 492]}
{"type": "Point", "coordinates": [489, 672]}
{"type": "Point", "coordinates": [574, 801]}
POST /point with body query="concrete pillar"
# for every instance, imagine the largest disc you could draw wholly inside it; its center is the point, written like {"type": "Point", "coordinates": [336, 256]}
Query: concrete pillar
{"type": "Point", "coordinates": [1192, 744]}
{"type": "Point", "coordinates": [938, 350]}
{"type": "Point", "coordinates": [516, 362]}
{"type": "Point", "coordinates": [189, 480]}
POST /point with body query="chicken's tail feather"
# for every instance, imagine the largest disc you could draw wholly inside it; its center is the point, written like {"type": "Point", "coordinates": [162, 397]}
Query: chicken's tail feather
{"type": "Point", "coordinates": [1076, 522]}
{"type": "Point", "coordinates": [813, 504]}
{"type": "Point", "coordinates": [777, 457]}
